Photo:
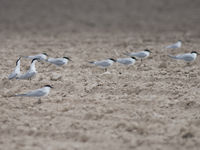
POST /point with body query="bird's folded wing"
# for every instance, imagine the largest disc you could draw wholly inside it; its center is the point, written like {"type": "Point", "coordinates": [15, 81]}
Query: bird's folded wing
{"type": "Point", "coordinates": [102, 63]}
{"type": "Point", "coordinates": [26, 75]}
{"type": "Point", "coordinates": [36, 93]}
{"type": "Point", "coordinates": [12, 75]}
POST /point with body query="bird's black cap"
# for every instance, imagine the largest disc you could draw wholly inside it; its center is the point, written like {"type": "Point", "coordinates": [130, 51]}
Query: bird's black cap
{"type": "Point", "coordinates": [48, 86]}
{"type": "Point", "coordinates": [34, 60]}
{"type": "Point", "coordinates": [194, 52]}
{"type": "Point", "coordinates": [67, 58]}
{"type": "Point", "coordinates": [134, 58]}
{"type": "Point", "coordinates": [45, 54]}
{"type": "Point", "coordinates": [18, 60]}
{"type": "Point", "coordinates": [112, 59]}
{"type": "Point", "coordinates": [147, 50]}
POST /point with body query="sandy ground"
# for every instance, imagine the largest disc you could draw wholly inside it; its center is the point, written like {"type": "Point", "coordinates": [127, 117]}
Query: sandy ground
{"type": "Point", "coordinates": [150, 105]}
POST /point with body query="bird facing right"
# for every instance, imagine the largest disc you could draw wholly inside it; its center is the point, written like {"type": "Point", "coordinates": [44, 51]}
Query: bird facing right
{"type": "Point", "coordinates": [16, 72]}
{"type": "Point", "coordinates": [31, 72]}
{"type": "Point", "coordinates": [175, 45]}
{"type": "Point", "coordinates": [104, 63]}
{"type": "Point", "coordinates": [59, 61]}
{"type": "Point", "coordinates": [37, 93]}
{"type": "Point", "coordinates": [127, 61]}
{"type": "Point", "coordinates": [141, 55]}
{"type": "Point", "coordinates": [188, 57]}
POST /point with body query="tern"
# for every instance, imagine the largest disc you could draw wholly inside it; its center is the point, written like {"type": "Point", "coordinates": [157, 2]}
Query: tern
{"type": "Point", "coordinates": [41, 57]}
{"type": "Point", "coordinates": [126, 61]}
{"type": "Point", "coordinates": [31, 72]}
{"type": "Point", "coordinates": [104, 63]}
{"type": "Point", "coordinates": [16, 72]}
{"type": "Point", "coordinates": [188, 57]}
{"type": "Point", "coordinates": [37, 93]}
{"type": "Point", "coordinates": [175, 45]}
{"type": "Point", "coordinates": [58, 61]}
{"type": "Point", "coordinates": [141, 55]}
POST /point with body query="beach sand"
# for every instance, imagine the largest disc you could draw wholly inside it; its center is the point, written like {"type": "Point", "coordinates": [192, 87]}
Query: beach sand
{"type": "Point", "coordinates": [154, 104]}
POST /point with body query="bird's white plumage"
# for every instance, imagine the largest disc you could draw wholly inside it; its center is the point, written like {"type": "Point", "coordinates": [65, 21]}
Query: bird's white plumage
{"type": "Point", "coordinates": [103, 63]}
{"type": "Point", "coordinates": [38, 56]}
{"type": "Point", "coordinates": [188, 57]}
{"type": "Point", "coordinates": [58, 61]}
{"type": "Point", "coordinates": [16, 72]}
{"type": "Point", "coordinates": [175, 45]}
{"type": "Point", "coordinates": [126, 61]}
{"type": "Point", "coordinates": [30, 73]}
{"type": "Point", "coordinates": [37, 93]}
{"type": "Point", "coordinates": [141, 54]}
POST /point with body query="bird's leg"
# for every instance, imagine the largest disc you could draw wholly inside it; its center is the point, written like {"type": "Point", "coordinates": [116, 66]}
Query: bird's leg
{"type": "Point", "coordinates": [39, 101]}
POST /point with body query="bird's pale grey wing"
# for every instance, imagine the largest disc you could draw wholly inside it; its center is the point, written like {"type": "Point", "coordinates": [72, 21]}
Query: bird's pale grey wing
{"type": "Point", "coordinates": [36, 93]}
{"type": "Point", "coordinates": [138, 54]}
{"type": "Point", "coordinates": [170, 46]}
{"type": "Point", "coordinates": [58, 62]}
{"type": "Point", "coordinates": [26, 75]}
{"type": "Point", "coordinates": [102, 63]}
{"type": "Point", "coordinates": [187, 57]}
{"type": "Point", "coordinates": [174, 57]}
{"type": "Point", "coordinates": [12, 75]}
{"type": "Point", "coordinates": [124, 61]}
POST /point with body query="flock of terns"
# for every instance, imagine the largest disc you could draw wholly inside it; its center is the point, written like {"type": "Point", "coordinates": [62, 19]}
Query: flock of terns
{"type": "Point", "coordinates": [133, 56]}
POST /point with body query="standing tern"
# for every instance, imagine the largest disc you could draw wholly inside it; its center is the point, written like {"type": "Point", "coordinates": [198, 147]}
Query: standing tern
{"type": "Point", "coordinates": [104, 63]}
{"type": "Point", "coordinates": [58, 61]}
{"type": "Point", "coordinates": [188, 57]}
{"type": "Point", "coordinates": [126, 61]}
{"type": "Point", "coordinates": [175, 45]}
{"type": "Point", "coordinates": [37, 93]}
{"type": "Point", "coordinates": [141, 55]}
{"type": "Point", "coordinates": [16, 72]}
{"type": "Point", "coordinates": [31, 72]}
{"type": "Point", "coordinates": [41, 57]}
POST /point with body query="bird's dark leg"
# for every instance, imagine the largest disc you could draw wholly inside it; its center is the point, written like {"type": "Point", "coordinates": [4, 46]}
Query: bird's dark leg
{"type": "Point", "coordinates": [39, 101]}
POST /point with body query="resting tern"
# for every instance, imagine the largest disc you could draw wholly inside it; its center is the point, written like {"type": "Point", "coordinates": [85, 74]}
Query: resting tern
{"type": "Point", "coordinates": [42, 56]}
{"type": "Point", "coordinates": [126, 61]}
{"type": "Point", "coordinates": [175, 45]}
{"type": "Point", "coordinates": [104, 63]}
{"type": "Point", "coordinates": [188, 57]}
{"type": "Point", "coordinates": [141, 55]}
{"type": "Point", "coordinates": [37, 93]}
{"type": "Point", "coordinates": [31, 72]}
{"type": "Point", "coordinates": [16, 72]}
{"type": "Point", "coordinates": [58, 61]}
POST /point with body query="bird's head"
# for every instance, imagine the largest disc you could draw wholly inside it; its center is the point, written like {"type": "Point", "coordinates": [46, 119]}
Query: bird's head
{"type": "Point", "coordinates": [147, 50]}
{"type": "Point", "coordinates": [34, 60]}
{"type": "Point", "coordinates": [67, 58]}
{"type": "Point", "coordinates": [194, 52]}
{"type": "Point", "coordinates": [112, 59]}
{"type": "Point", "coordinates": [133, 58]}
{"type": "Point", "coordinates": [48, 86]}
{"type": "Point", "coordinates": [45, 54]}
{"type": "Point", "coordinates": [18, 60]}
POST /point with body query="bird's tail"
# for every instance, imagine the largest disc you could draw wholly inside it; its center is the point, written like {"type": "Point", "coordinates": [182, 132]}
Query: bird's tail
{"type": "Point", "coordinates": [22, 56]}
{"type": "Point", "coordinates": [126, 53]}
{"type": "Point", "coordinates": [91, 62]}
{"type": "Point", "coordinates": [171, 56]}
{"type": "Point", "coordinates": [167, 47]}
{"type": "Point", "coordinates": [20, 95]}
